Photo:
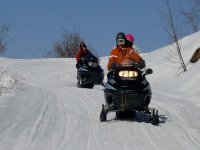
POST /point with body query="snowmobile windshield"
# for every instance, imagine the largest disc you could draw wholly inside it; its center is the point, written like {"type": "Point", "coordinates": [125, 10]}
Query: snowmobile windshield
{"type": "Point", "coordinates": [95, 53]}
{"type": "Point", "coordinates": [89, 57]}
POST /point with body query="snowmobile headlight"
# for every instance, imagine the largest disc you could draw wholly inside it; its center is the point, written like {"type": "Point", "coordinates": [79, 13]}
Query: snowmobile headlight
{"type": "Point", "coordinates": [92, 64]}
{"type": "Point", "coordinates": [128, 74]}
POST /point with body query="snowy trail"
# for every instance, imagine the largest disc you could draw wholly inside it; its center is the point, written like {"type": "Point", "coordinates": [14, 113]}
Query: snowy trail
{"type": "Point", "coordinates": [49, 112]}
{"type": "Point", "coordinates": [181, 124]}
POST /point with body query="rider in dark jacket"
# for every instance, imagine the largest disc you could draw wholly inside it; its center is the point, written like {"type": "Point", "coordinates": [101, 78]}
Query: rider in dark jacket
{"type": "Point", "coordinates": [83, 51]}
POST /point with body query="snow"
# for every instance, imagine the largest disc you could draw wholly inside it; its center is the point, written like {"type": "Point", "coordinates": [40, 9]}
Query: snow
{"type": "Point", "coordinates": [46, 111]}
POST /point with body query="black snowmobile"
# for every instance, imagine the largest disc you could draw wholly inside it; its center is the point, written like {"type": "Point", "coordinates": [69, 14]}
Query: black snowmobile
{"type": "Point", "coordinates": [89, 72]}
{"type": "Point", "coordinates": [128, 91]}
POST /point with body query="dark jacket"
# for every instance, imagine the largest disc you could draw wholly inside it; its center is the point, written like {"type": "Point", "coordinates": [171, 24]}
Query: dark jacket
{"type": "Point", "coordinates": [81, 54]}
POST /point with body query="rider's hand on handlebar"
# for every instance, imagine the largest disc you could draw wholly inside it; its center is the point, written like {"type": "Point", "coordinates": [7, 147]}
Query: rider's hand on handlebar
{"type": "Point", "coordinates": [141, 64]}
{"type": "Point", "coordinates": [77, 65]}
{"type": "Point", "coordinates": [113, 66]}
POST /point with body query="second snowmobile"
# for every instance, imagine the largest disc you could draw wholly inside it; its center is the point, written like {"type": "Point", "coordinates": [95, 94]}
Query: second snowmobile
{"type": "Point", "coordinates": [89, 72]}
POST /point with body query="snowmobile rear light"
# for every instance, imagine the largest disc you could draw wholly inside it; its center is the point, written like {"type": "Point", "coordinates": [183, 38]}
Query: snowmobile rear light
{"type": "Point", "coordinates": [92, 64]}
{"type": "Point", "coordinates": [128, 74]}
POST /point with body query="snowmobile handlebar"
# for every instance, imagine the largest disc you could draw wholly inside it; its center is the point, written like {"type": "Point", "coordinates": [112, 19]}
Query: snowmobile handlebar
{"type": "Point", "coordinates": [134, 67]}
{"type": "Point", "coordinates": [115, 67]}
{"type": "Point", "coordinates": [87, 59]}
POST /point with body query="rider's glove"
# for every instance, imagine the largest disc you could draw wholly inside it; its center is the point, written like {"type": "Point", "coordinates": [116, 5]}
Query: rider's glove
{"type": "Point", "coordinates": [97, 59]}
{"type": "Point", "coordinates": [113, 66]}
{"type": "Point", "coordinates": [77, 65]}
{"type": "Point", "coordinates": [141, 64]}
{"type": "Point", "coordinates": [80, 60]}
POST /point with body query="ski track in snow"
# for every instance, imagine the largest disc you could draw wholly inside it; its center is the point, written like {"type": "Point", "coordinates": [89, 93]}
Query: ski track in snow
{"type": "Point", "coordinates": [180, 127]}
{"type": "Point", "coordinates": [60, 116]}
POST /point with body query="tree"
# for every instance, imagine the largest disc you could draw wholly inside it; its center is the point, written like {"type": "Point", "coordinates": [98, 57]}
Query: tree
{"type": "Point", "coordinates": [192, 16]}
{"type": "Point", "coordinates": [170, 24]}
{"type": "Point", "coordinates": [67, 46]}
{"type": "Point", "coordinates": [3, 34]}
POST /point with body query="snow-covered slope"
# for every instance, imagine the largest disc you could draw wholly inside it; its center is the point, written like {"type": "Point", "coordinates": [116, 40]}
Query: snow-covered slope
{"type": "Point", "coordinates": [46, 110]}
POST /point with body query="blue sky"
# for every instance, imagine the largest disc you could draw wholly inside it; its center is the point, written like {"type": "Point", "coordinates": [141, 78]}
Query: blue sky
{"type": "Point", "coordinates": [36, 24]}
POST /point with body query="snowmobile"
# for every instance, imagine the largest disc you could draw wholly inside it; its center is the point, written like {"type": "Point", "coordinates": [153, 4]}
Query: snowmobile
{"type": "Point", "coordinates": [127, 91]}
{"type": "Point", "coordinates": [89, 72]}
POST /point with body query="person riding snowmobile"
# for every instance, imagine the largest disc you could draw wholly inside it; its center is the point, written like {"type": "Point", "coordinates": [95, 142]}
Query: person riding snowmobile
{"type": "Point", "coordinates": [89, 71]}
{"type": "Point", "coordinates": [123, 53]}
{"type": "Point", "coordinates": [127, 90]}
{"type": "Point", "coordinates": [130, 42]}
{"type": "Point", "coordinates": [83, 51]}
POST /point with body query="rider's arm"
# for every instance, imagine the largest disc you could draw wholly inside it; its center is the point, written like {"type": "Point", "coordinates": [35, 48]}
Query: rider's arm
{"type": "Point", "coordinates": [141, 64]}
{"type": "Point", "coordinates": [78, 56]}
{"type": "Point", "coordinates": [111, 60]}
{"type": "Point", "coordinates": [135, 57]}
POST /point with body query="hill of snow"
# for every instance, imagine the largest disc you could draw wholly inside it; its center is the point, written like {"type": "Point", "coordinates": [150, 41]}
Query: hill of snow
{"type": "Point", "coordinates": [46, 111]}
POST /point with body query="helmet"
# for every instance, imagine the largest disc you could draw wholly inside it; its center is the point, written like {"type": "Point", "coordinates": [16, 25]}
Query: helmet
{"type": "Point", "coordinates": [130, 38]}
{"type": "Point", "coordinates": [120, 38]}
{"type": "Point", "coordinates": [120, 35]}
{"type": "Point", "coordinates": [82, 44]}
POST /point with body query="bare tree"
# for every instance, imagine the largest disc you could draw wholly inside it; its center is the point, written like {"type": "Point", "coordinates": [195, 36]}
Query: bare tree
{"type": "Point", "coordinates": [170, 24]}
{"type": "Point", "coordinates": [67, 46]}
{"type": "Point", "coordinates": [192, 15]}
{"type": "Point", "coordinates": [3, 35]}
